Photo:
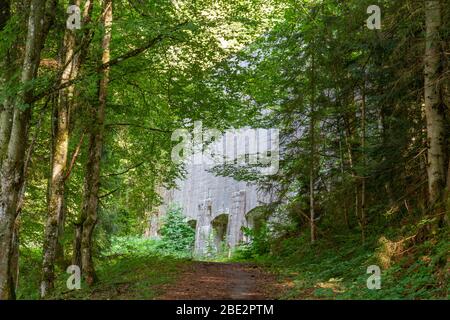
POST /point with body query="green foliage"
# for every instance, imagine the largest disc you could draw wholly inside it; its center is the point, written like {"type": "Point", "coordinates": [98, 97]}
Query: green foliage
{"type": "Point", "coordinates": [132, 246]}
{"type": "Point", "coordinates": [28, 287]}
{"type": "Point", "coordinates": [261, 63]}
{"type": "Point", "coordinates": [215, 252]}
{"type": "Point", "coordinates": [135, 266]}
{"type": "Point", "coordinates": [336, 268]}
{"type": "Point", "coordinates": [177, 236]}
{"type": "Point", "coordinates": [133, 276]}
{"type": "Point", "coordinates": [259, 244]}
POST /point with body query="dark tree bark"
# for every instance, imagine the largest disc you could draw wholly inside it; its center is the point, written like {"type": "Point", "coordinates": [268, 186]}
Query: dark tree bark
{"type": "Point", "coordinates": [70, 64]}
{"type": "Point", "coordinates": [11, 178]}
{"type": "Point", "coordinates": [312, 168]}
{"type": "Point", "coordinates": [92, 179]}
{"type": "Point", "coordinates": [5, 108]}
{"type": "Point", "coordinates": [363, 146]}
{"type": "Point", "coordinates": [434, 107]}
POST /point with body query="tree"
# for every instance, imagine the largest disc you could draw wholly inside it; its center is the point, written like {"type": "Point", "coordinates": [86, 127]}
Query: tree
{"type": "Point", "coordinates": [176, 234]}
{"type": "Point", "coordinates": [11, 174]}
{"type": "Point", "coordinates": [435, 108]}
{"type": "Point", "coordinates": [96, 137]}
{"type": "Point", "coordinates": [71, 61]}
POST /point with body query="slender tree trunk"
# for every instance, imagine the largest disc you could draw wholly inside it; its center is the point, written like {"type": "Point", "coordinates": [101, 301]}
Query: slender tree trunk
{"type": "Point", "coordinates": [5, 13]}
{"type": "Point", "coordinates": [434, 109]}
{"type": "Point", "coordinates": [447, 196]}
{"type": "Point", "coordinates": [6, 121]}
{"type": "Point", "coordinates": [311, 186]}
{"type": "Point", "coordinates": [363, 146]}
{"type": "Point", "coordinates": [8, 67]}
{"type": "Point", "coordinates": [312, 130]}
{"type": "Point", "coordinates": [5, 107]}
{"type": "Point", "coordinates": [60, 150]}
{"type": "Point", "coordinates": [341, 156]}
{"type": "Point", "coordinates": [5, 128]}
{"type": "Point", "coordinates": [351, 159]}
{"type": "Point", "coordinates": [12, 166]}
{"type": "Point", "coordinates": [388, 186]}
{"type": "Point", "coordinates": [446, 101]}
{"type": "Point", "coordinates": [76, 257]}
{"type": "Point", "coordinates": [20, 203]}
{"type": "Point", "coordinates": [92, 179]}
{"type": "Point", "coordinates": [71, 62]}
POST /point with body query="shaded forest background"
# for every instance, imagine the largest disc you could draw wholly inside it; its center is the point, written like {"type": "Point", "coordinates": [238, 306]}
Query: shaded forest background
{"type": "Point", "coordinates": [86, 117]}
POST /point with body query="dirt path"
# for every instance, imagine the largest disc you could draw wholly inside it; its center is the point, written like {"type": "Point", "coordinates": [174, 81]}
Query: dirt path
{"type": "Point", "coordinates": [220, 281]}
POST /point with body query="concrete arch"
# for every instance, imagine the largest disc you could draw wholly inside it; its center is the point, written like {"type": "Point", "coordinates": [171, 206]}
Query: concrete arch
{"type": "Point", "coordinates": [220, 227]}
{"type": "Point", "coordinates": [255, 218]}
{"type": "Point", "coordinates": [192, 223]}
{"type": "Point", "coordinates": [208, 199]}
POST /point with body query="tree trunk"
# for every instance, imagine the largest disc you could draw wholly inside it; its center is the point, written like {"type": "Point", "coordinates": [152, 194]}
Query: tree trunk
{"type": "Point", "coordinates": [5, 128]}
{"type": "Point", "coordinates": [13, 163]}
{"type": "Point", "coordinates": [60, 150]}
{"type": "Point", "coordinates": [345, 204]}
{"type": "Point", "coordinates": [434, 109]}
{"type": "Point", "coordinates": [312, 156]}
{"type": "Point", "coordinates": [76, 257]}
{"type": "Point", "coordinates": [15, 255]}
{"type": "Point", "coordinates": [5, 66]}
{"type": "Point", "coordinates": [363, 151]}
{"type": "Point", "coordinates": [5, 13]}
{"type": "Point", "coordinates": [447, 197]}
{"type": "Point", "coordinates": [53, 248]}
{"type": "Point", "coordinates": [311, 186]}
{"type": "Point", "coordinates": [92, 179]}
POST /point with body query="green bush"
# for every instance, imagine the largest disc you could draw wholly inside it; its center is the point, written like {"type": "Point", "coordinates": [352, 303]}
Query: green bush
{"type": "Point", "coordinates": [177, 236]}
{"type": "Point", "coordinates": [259, 245]}
{"type": "Point", "coordinates": [132, 245]}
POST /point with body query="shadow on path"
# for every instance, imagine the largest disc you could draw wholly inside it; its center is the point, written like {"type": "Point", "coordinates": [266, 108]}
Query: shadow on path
{"type": "Point", "coordinates": [222, 281]}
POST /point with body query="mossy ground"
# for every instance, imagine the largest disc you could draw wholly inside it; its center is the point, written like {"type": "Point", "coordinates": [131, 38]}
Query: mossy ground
{"type": "Point", "coordinates": [128, 273]}
{"type": "Point", "coordinates": [337, 268]}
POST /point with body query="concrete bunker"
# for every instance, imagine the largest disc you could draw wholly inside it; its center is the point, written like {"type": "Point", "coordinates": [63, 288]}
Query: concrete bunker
{"type": "Point", "coordinates": [192, 223]}
{"type": "Point", "coordinates": [220, 230]}
{"type": "Point", "coordinates": [255, 219]}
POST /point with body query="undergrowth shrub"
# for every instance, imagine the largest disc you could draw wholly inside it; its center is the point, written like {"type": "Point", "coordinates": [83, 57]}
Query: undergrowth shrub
{"type": "Point", "coordinates": [177, 236]}
{"type": "Point", "coordinates": [335, 266]}
{"type": "Point", "coordinates": [259, 244]}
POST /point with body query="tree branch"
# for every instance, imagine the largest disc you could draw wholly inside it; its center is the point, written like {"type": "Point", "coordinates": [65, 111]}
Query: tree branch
{"type": "Point", "coordinates": [153, 42]}
{"type": "Point", "coordinates": [108, 194]}
{"type": "Point", "coordinates": [75, 156]}
{"type": "Point", "coordinates": [125, 171]}
{"type": "Point", "coordinates": [138, 126]}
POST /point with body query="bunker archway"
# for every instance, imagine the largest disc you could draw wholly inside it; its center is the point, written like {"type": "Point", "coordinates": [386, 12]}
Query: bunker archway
{"type": "Point", "coordinates": [192, 223]}
{"type": "Point", "coordinates": [220, 230]}
{"type": "Point", "coordinates": [255, 219]}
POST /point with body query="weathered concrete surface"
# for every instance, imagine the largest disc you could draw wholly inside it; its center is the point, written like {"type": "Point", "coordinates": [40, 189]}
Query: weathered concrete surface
{"type": "Point", "coordinates": [217, 206]}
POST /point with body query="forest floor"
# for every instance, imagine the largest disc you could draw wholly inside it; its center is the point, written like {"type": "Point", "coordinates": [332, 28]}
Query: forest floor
{"type": "Point", "coordinates": [165, 278]}
{"type": "Point", "coordinates": [223, 281]}
{"type": "Point", "coordinates": [329, 270]}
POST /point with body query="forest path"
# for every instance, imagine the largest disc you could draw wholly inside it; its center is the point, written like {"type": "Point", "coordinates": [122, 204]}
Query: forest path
{"type": "Point", "coordinates": [222, 281]}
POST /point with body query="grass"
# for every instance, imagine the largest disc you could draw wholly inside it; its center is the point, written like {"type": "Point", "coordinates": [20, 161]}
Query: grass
{"type": "Point", "coordinates": [133, 268]}
{"type": "Point", "coordinates": [332, 268]}
{"type": "Point", "coordinates": [337, 268]}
